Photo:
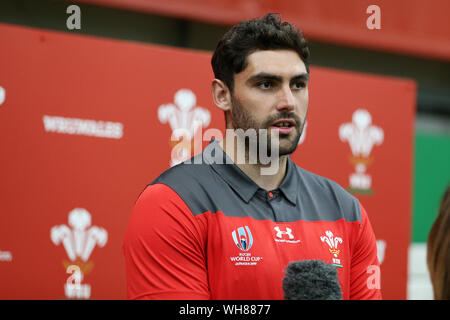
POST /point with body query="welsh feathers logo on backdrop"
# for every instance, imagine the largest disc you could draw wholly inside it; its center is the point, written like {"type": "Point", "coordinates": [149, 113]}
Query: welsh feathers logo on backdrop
{"type": "Point", "coordinates": [79, 242]}
{"type": "Point", "coordinates": [2, 95]}
{"type": "Point", "coordinates": [184, 118]}
{"type": "Point", "coordinates": [362, 136]}
{"type": "Point", "coordinates": [243, 238]}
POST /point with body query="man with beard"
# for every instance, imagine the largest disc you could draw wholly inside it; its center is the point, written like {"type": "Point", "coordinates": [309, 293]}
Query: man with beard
{"type": "Point", "coordinates": [222, 229]}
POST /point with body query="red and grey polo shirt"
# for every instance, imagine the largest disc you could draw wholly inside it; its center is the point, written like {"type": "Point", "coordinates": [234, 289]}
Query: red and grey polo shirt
{"type": "Point", "coordinates": [207, 231]}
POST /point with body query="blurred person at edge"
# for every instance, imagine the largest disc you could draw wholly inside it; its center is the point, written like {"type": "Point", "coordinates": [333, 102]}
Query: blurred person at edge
{"type": "Point", "coordinates": [438, 251]}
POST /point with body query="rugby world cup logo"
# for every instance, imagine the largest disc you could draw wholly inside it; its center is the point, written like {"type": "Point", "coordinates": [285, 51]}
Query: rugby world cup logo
{"type": "Point", "coordinates": [184, 118]}
{"type": "Point", "coordinates": [243, 238]}
{"type": "Point", "coordinates": [362, 137]}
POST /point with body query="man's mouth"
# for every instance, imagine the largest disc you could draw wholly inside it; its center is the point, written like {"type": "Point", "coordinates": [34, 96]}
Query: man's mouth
{"type": "Point", "coordinates": [283, 126]}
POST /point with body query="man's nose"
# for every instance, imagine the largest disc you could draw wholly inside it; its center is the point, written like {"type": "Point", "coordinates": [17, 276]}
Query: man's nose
{"type": "Point", "coordinates": [286, 99]}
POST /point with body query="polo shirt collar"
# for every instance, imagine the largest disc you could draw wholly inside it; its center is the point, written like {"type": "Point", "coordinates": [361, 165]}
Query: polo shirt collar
{"type": "Point", "coordinates": [289, 185]}
{"type": "Point", "coordinates": [242, 184]}
{"type": "Point", "coordinates": [231, 173]}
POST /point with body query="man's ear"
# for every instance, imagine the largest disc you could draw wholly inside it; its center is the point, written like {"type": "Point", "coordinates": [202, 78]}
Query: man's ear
{"type": "Point", "coordinates": [221, 95]}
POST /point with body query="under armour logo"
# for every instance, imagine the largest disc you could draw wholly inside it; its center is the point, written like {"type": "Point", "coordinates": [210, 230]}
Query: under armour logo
{"type": "Point", "coordinates": [287, 232]}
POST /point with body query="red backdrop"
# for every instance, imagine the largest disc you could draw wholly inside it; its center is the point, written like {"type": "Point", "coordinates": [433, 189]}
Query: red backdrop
{"type": "Point", "coordinates": [79, 129]}
{"type": "Point", "coordinates": [414, 27]}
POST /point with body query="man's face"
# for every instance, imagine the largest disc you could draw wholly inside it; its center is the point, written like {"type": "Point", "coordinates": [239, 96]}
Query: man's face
{"type": "Point", "coordinates": [272, 93]}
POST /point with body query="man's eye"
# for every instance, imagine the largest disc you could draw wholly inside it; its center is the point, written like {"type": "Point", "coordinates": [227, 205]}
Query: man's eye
{"type": "Point", "coordinates": [298, 85]}
{"type": "Point", "coordinates": [265, 85]}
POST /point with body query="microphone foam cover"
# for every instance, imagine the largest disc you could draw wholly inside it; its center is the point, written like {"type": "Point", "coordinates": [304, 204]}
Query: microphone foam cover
{"type": "Point", "coordinates": [311, 280]}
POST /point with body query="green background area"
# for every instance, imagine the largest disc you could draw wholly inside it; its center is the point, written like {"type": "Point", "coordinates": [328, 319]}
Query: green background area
{"type": "Point", "coordinates": [431, 177]}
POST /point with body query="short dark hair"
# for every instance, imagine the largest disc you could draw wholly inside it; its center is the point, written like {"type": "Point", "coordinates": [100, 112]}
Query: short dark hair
{"type": "Point", "coordinates": [267, 33]}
